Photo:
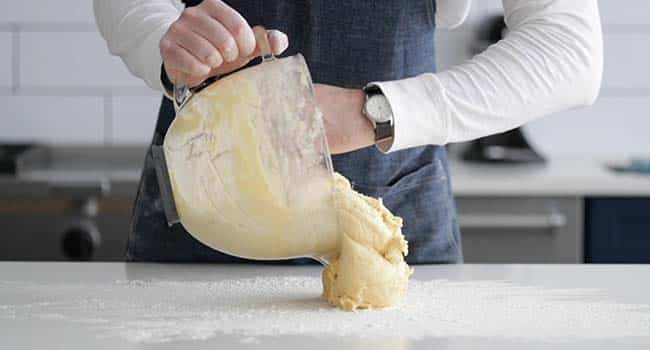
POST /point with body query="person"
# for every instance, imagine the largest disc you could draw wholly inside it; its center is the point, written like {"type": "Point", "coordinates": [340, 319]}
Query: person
{"type": "Point", "coordinates": [381, 51]}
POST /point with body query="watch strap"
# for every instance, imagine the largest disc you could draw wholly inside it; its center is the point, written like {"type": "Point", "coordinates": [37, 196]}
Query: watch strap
{"type": "Point", "coordinates": [372, 90]}
{"type": "Point", "coordinates": [384, 131]}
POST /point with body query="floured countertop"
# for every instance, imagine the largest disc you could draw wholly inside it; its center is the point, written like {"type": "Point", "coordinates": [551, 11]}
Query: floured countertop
{"type": "Point", "coordinates": [136, 306]}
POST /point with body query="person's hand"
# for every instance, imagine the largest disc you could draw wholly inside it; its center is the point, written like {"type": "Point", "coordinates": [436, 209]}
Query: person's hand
{"type": "Point", "coordinates": [209, 39]}
{"type": "Point", "coordinates": [346, 127]}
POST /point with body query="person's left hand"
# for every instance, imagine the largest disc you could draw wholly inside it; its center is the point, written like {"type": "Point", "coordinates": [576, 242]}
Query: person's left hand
{"type": "Point", "coordinates": [346, 127]}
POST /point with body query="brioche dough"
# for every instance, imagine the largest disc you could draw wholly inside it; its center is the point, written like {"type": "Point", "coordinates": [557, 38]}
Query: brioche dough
{"type": "Point", "coordinates": [233, 189]}
{"type": "Point", "coordinates": [368, 270]}
{"type": "Point", "coordinates": [235, 196]}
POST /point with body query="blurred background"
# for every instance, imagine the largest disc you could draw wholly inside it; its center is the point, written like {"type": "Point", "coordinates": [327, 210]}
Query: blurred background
{"type": "Point", "coordinates": [572, 187]}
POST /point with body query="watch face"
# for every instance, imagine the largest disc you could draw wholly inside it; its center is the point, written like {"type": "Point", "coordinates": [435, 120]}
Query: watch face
{"type": "Point", "coordinates": [378, 109]}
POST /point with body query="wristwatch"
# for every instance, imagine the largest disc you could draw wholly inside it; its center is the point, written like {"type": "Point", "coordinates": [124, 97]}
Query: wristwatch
{"type": "Point", "coordinates": [377, 109]}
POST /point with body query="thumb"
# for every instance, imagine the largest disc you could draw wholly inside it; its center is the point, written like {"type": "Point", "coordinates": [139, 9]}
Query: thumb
{"type": "Point", "coordinates": [278, 42]}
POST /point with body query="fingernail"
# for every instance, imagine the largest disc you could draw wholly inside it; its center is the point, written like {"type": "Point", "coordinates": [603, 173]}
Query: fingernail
{"type": "Point", "coordinates": [214, 61]}
{"type": "Point", "coordinates": [281, 41]}
{"type": "Point", "coordinates": [204, 70]}
{"type": "Point", "coordinates": [229, 53]}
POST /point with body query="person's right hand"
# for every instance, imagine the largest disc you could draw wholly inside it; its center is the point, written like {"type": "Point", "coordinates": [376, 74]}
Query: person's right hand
{"type": "Point", "coordinates": [209, 39]}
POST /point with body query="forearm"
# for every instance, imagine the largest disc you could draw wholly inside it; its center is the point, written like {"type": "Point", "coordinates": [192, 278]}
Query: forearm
{"type": "Point", "coordinates": [551, 60]}
{"type": "Point", "coordinates": [133, 29]}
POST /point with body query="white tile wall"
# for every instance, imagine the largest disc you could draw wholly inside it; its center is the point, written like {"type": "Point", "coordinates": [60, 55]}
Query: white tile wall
{"type": "Point", "coordinates": [76, 120]}
{"type": "Point", "coordinates": [69, 88]}
{"type": "Point", "coordinates": [134, 118]}
{"type": "Point", "coordinates": [611, 11]}
{"type": "Point", "coordinates": [95, 90]}
{"type": "Point", "coordinates": [47, 11]}
{"type": "Point", "coordinates": [70, 59]}
{"type": "Point", "coordinates": [625, 12]}
{"type": "Point", "coordinates": [627, 60]}
{"type": "Point", "coordinates": [614, 126]}
{"type": "Point", "coordinates": [5, 59]}
{"type": "Point", "coordinates": [618, 123]}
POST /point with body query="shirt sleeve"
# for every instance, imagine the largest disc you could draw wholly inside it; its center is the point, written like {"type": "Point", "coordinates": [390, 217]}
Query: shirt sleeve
{"type": "Point", "coordinates": [133, 29]}
{"type": "Point", "coordinates": [550, 60]}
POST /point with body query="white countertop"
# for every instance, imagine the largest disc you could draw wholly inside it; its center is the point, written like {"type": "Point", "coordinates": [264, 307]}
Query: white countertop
{"type": "Point", "coordinates": [558, 177]}
{"type": "Point", "coordinates": [139, 306]}
{"type": "Point", "coordinates": [570, 176]}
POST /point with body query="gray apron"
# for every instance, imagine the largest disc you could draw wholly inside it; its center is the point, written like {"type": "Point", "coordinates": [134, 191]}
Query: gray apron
{"type": "Point", "coordinates": [345, 43]}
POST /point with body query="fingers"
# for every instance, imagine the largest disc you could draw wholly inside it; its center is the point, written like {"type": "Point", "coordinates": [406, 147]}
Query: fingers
{"type": "Point", "coordinates": [183, 78]}
{"type": "Point", "coordinates": [278, 41]}
{"type": "Point", "coordinates": [180, 59]}
{"type": "Point", "coordinates": [211, 38]}
{"type": "Point", "coordinates": [197, 45]}
{"type": "Point", "coordinates": [215, 33]}
{"type": "Point", "coordinates": [235, 24]}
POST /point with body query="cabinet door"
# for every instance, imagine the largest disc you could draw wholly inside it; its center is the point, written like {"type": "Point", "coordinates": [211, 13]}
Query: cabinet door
{"type": "Point", "coordinates": [52, 230]}
{"type": "Point", "coordinates": [521, 229]}
{"type": "Point", "coordinates": [618, 230]}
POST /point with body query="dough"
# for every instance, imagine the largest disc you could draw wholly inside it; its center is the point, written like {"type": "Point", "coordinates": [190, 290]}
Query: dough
{"type": "Point", "coordinates": [369, 270]}
{"type": "Point", "coordinates": [235, 196]}
{"type": "Point", "coordinates": [231, 192]}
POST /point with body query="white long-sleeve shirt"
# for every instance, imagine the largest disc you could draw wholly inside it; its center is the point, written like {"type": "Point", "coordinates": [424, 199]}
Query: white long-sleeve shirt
{"type": "Point", "coordinates": [550, 60]}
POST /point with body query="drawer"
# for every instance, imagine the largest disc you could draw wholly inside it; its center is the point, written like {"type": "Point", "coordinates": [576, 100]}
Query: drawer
{"type": "Point", "coordinates": [37, 229]}
{"type": "Point", "coordinates": [618, 230]}
{"type": "Point", "coordinates": [521, 230]}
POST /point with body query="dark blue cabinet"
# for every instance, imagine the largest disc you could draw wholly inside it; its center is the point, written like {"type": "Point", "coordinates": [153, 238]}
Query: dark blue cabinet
{"type": "Point", "coordinates": [617, 230]}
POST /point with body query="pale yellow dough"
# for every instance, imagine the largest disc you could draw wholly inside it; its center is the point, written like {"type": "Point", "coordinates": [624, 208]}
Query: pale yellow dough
{"type": "Point", "coordinates": [229, 197]}
{"type": "Point", "coordinates": [231, 192]}
{"type": "Point", "coordinates": [369, 270]}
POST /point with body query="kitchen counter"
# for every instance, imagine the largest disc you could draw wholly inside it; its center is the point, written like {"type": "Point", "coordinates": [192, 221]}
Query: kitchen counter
{"type": "Point", "coordinates": [136, 306]}
{"type": "Point", "coordinates": [75, 172]}
{"type": "Point", "coordinates": [507, 213]}
{"type": "Point", "coordinates": [115, 171]}
{"type": "Point", "coordinates": [561, 177]}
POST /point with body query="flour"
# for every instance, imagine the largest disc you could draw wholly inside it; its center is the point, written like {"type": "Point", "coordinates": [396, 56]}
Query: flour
{"type": "Point", "coordinates": [163, 311]}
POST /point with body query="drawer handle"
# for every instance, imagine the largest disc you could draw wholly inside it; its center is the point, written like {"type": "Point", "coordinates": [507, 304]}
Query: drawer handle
{"type": "Point", "coordinates": [81, 189]}
{"type": "Point", "coordinates": [505, 221]}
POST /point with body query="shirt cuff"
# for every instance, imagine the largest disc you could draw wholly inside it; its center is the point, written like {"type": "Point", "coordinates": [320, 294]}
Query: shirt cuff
{"type": "Point", "coordinates": [417, 117]}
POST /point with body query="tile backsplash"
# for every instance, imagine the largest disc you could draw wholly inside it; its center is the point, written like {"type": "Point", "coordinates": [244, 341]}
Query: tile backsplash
{"type": "Point", "coordinates": [5, 59]}
{"type": "Point", "coordinates": [59, 84]}
{"type": "Point", "coordinates": [618, 123]}
{"type": "Point", "coordinates": [69, 59]}
{"type": "Point", "coordinates": [57, 119]}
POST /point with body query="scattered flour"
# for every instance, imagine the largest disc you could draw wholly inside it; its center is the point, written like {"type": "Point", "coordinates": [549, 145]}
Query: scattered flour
{"type": "Point", "coordinates": [163, 311]}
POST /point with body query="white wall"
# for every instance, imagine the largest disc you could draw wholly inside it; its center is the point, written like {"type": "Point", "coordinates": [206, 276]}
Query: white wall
{"type": "Point", "coordinates": [58, 83]}
{"type": "Point", "coordinates": [618, 124]}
